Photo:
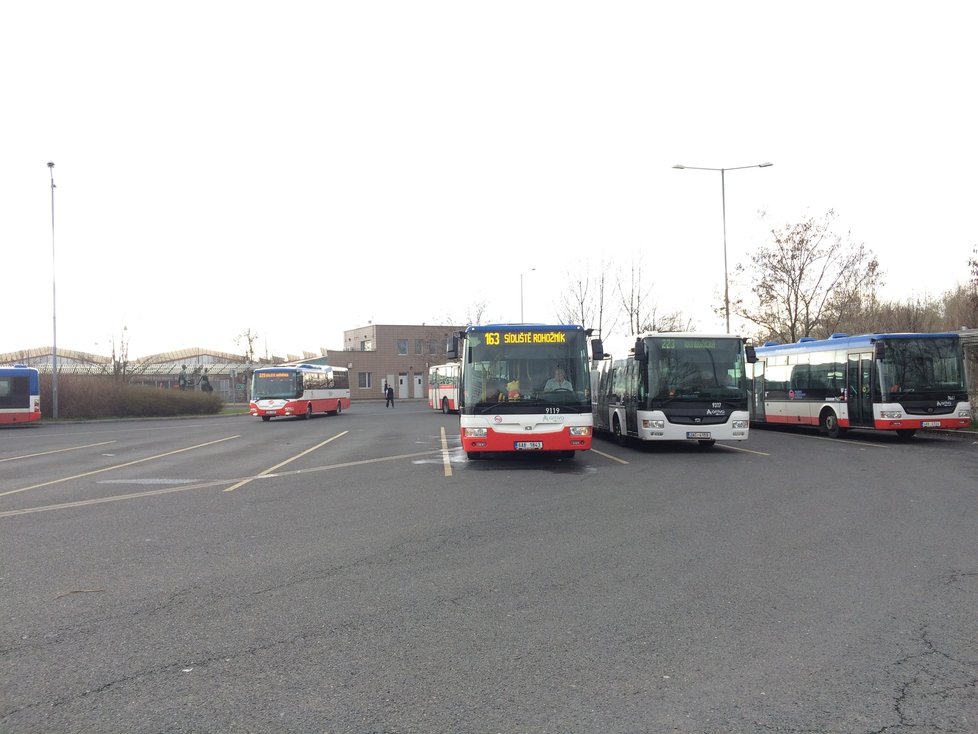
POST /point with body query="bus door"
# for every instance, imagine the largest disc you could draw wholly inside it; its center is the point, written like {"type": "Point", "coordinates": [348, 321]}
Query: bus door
{"type": "Point", "coordinates": [859, 388]}
{"type": "Point", "coordinates": [757, 388]}
{"type": "Point", "coordinates": [630, 396]}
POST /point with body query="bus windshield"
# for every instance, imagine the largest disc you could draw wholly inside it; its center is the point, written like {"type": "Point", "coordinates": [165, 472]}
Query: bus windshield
{"type": "Point", "coordinates": [279, 384]}
{"type": "Point", "coordinates": [695, 368]}
{"type": "Point", "coordinates": [521, 368]}
{"type": "Point", "coordinates": [922, 365]}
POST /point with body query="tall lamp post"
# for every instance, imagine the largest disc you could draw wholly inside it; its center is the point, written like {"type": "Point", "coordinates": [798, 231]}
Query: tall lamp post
{"type": "Point", "coordinates": [54, 310]}
{"type": "Point", "coordinates": [521, 295]}
{"type": "Point", "coordinates": [723, 200]}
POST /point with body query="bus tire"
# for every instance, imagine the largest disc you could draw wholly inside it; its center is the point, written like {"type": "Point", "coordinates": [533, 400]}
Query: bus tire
{"type": "Point", "coordinates": [620, 437]}
{"type": "Point", "coordinates": [706, 442]}
{"type": "Point", "coordinates": [905, 434]}
{"type": "Point", "coordinates": [829, 423]}
{"type": "Point", "coordinates": [308, 414]}
{"type": "Point", "coordinates": [567, 454]}
{"type": "Point", "coordinates": [444, 406]}
{"type": "Point", "coordinates": [266, 418]}
{"type": "Point", "coordinates": [474, 455]}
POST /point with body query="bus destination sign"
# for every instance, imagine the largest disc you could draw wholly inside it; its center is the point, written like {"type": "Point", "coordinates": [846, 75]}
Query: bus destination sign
{"type": "Point", "coordinates": [494, 338]}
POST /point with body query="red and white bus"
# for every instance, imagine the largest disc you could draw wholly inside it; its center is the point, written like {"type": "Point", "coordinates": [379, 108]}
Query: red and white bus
{"type": "Point", "coordinates": [524, 387]}
{"type": "Point", "coordinates": [20, 394]}
{"type": "Point", "coordinates": [299, 390]}
{"type": "Point", "coordinates": [883, 382]}
{"type": "Point", "coordinates": [443, 387]}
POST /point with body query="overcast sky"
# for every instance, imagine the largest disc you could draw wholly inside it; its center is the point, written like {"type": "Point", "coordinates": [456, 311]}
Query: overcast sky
{"type": "Point", "coordinates": [301, 168]}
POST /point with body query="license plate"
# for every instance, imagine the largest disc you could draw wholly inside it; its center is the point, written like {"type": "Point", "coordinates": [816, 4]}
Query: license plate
{"type": "Point", "coordinates": [697, 434]}
{"type": "Point", "coordinates": [930, 424]}
{"type": "Point", "coordinates": [269, 412]}
{"type": "Point", "coordinates": [528, 445]}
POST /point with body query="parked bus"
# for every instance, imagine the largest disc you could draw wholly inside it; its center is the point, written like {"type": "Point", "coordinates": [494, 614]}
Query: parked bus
{"type": "Point", "coordinates": [20, 394]}
{"type": "Point", "coordinates": [511, 398]}
{"type": "Point", "coordinates": [674, 386]}
{"type": "Point", "coordinates": [299, 390]}
{"type": "Point", "coordinates": [882, 382]}
{"type": "Point", "coordinates": [443, 387]}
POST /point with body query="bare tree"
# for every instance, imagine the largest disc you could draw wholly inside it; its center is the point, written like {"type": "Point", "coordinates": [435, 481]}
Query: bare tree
{"type": "Point", "coordinates": [973, 285]}
{"type": "Point", "coordinates": [587, 300]}
{"type": "Point", "coordinates": [642, 312]}
{"type": "Point", "coordinates": [807, 280]}
{"type": "Point", "coordinates": [249, 338]}
{"type": "Point", "coordinates": [120, 357]}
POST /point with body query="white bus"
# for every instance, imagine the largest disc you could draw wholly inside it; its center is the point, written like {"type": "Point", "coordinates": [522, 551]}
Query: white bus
{"type": "Point", "coordinates": [679, 386]}
{"type": "Point", "coordinates": [510, 398]}
{"type": "Point", "coordinates": [884, 382]}
{"type": "Point", "coordinates": [299, 390]}
{"type": "Point", "coordinates": [443, 387]}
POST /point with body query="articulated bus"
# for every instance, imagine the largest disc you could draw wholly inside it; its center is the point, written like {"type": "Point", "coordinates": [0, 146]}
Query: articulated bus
{"type": "Point", "coordinates": [299, 390]}
{"type": "Point", "coordinates": [443, 387]}
{"type": "Point", "coordinates": [882, 382]}
{"type": "Point", "coordinates": [524, 387]}
{"type": "Point", "coordinates": [20, 394]}
{"type": "Point", "coordinates": [680, 386]}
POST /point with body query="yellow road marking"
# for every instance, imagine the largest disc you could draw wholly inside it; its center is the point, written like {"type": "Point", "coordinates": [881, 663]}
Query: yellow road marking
{"type": "Point", "coordinates": [203, 485]}
{"type": "Point", "coordinates": [116, 466]}
{"type": "Point", "coordinates": [608, 456]}
{"type": "Point", "coordinates": [446, 460]}
{"type": "Point", "coordinates": [283, 463]}
{"type": "Point", "coordinates": [56, 451]}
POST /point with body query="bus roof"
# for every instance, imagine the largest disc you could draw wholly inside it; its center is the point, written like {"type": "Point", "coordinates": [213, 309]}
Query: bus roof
{"type": "Point", "coordinates": [523, 327]}
{"type": "Point", "coordinates": [844, 341]}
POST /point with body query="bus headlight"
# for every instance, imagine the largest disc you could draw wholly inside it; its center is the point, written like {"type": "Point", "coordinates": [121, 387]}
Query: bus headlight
{"type": "Point", "coordinates": [891, 414]}
{"type": "Point", "coordinates": [653, 424]}
{"type": "Point", "coordinates": [476, 432]}
{"type": "Point", "coordinates": [964, 414]}
{"type": "Point", "coordinates": [580, 430]}
{"type": "Point", "coordinates": [740, 425]}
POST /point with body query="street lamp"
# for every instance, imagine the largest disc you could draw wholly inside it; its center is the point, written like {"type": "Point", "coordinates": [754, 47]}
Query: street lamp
{"type": "Point", "coordinates": [723, 200]}
{"type": "Point", "coordinates": [521, 295]}
{"type": "Point", "coordinates": [54, 310]}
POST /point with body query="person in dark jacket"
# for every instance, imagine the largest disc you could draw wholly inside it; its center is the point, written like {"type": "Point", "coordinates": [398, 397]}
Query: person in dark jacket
{"type": "Point", "coordinates": [389, 394]}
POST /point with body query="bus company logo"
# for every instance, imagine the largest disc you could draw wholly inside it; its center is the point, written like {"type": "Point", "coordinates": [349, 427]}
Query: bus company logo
{"type": "Point", "coordinates": [712, 411]}
{"type": "Point", "coordinates": [497, 419]}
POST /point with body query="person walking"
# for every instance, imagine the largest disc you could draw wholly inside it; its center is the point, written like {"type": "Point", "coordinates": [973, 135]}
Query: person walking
{"type": "Point", "coordinates": [389, 394]}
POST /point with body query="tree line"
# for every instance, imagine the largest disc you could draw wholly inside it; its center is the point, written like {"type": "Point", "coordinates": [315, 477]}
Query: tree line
{"type": "Point", "coordinates": [808, 280]}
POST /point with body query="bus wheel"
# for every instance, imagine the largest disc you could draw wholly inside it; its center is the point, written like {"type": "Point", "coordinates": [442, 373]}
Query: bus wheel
{"type": "Point", "coordinates": [905, 434]}
{"type": "Point", "coordinates": [474, 455]}
{"type": "Point", "coordinates": [619, 436]}
{"type": "Point", "coordinates": [444, 406]}
{"type": "Point", "coordinates": [266, 418]}
{"type": "Point", "coordinates": [707, 442]}
{"type": "Point", "coordinates": [830, 424]}
{"type": "Point", "coordinates": [567, 454]}
{"type": "Point", "coordinates": [308, 414]}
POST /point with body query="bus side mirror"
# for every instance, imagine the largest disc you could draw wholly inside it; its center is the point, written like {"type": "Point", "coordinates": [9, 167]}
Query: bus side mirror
{"type": "Point", "coordinates": [879, 348]}
{"type": "Point", "coordinates": [597, 349]}
{"type": "Point", "coordinates": [750, 353]}
{"type": "Point", "coordinates": [640, 354]}
{"type": "Point", "coordinates": [451, 348]}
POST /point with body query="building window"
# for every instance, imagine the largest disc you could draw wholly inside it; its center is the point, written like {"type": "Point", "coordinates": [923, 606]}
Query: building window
{"type": "Point", "coordinates": [363, 379]}
{"type": "Point", "coordinates": [366, 345]}
{"type": "Point", "coordinates": [419, 346]}
{"type": "Point", "coordinates": [432, 347]}
{"type": "Point", "coordinates": [402, 346]}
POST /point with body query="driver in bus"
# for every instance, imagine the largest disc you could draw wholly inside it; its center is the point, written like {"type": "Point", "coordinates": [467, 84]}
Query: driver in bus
{"type": "Point", "coordinates": [558, 382]}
